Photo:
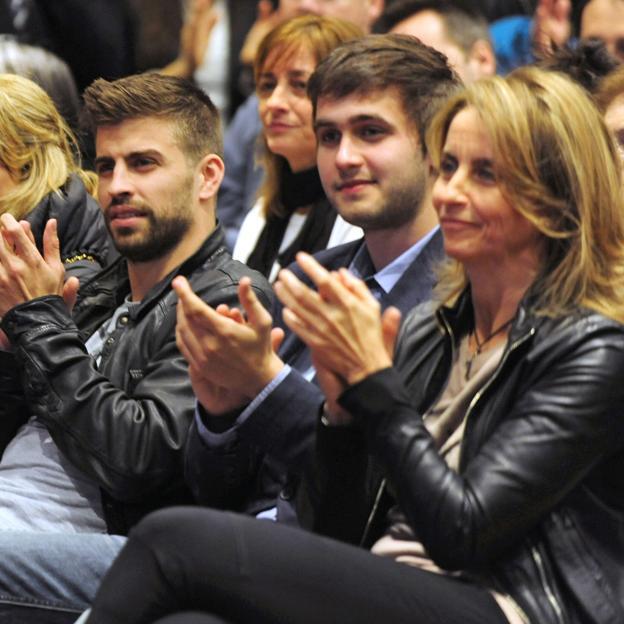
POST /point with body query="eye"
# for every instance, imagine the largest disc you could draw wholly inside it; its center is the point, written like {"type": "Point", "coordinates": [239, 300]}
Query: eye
{"type": "Point", "coordinates": [142, 162]}
{"type": "Point", "coordinates": [485, 174]}
{"type": "Point", "coordinates": [371, 133]}
{"type": "Point", "coordinates": [328, 137]}
{"type": "Point", "coordinates": [265, 87]}
{"type": "Point", "coordinates": [299, 86]}
{"type": "Point", "coordinates": [103, 167]}
{"type": "Point", "coordinates": [448, 165]}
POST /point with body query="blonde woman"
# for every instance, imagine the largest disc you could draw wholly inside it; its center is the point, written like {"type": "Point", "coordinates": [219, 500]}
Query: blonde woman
{"type": "Point", "coordinates": [40, 176]}
{"type": "Point", "coordinates": [292, 213]}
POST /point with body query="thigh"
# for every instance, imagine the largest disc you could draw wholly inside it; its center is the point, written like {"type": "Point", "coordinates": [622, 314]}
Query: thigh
{"type": "Point", "coordinates": [247, 570]}
{"type": "Point", "coordinates": [55, 571]}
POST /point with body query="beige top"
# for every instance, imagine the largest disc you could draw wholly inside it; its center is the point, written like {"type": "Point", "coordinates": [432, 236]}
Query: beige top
{"type": "Point", "coordinates": [445, 422]}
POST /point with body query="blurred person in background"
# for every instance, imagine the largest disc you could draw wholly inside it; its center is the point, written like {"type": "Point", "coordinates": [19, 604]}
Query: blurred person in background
{"type": "Point", "coordinates": [460, 34]}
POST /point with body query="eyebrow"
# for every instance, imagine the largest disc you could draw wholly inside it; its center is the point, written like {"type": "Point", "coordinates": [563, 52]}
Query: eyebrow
{"type": "Point", "coordinates": [351, 121]}
{"type": "Point", "coordinates": [292, 73]}
{"type": "Point", "coordinates": [151, 153]}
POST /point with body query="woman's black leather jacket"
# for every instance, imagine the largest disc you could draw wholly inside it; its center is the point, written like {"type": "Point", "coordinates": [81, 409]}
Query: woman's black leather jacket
{"type": "Point", "coordinates": [537, 507]}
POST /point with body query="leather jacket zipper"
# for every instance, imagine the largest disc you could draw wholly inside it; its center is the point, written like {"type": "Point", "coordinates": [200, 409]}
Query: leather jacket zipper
{"type": "Point", "coordinates": [550, 595]}
{"type": "Point", "coordinates": [373, 512]}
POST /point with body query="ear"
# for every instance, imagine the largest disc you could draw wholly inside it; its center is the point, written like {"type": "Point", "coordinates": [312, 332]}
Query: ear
{"type": "Point", "coordinates": [375, 10]}
{"type": "Point", "coordinates": [210, 171]}
{"type": "Point", "coordinates": [481, 59]}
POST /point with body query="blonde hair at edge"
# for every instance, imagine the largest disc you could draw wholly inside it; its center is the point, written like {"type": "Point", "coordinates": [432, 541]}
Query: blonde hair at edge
{"type": "Point", "coordinates": [36, 146]}
{"type": "Point", "coordinates": [319, 35]}
{"type": "Point", "coordinates": [557, 164]}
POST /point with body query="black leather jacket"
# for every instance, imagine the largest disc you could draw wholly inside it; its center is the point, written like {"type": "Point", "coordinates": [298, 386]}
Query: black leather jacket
{"type": "Point", "coordinates": [536, 509]}
{"type": "Point", "coordinates": [125, 423]}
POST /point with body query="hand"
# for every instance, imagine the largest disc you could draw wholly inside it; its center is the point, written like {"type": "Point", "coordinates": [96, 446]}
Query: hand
{"type": "Point", "coordinates": [71, 286]}
{"type": "Point", "coordinates": [267, 19]}
{"type": "Point", "coordinates": [200, 19]}
{"type": "Point", "coordinates": [341, 323]}
{"type": "Point", "coordinates": [233, 358]}
{"type": "Point", "coordinates": [552, 26]}
{"type": "Point", "coordinates": [24, 273]}
{"type": "Point", "coordinates": [332, 387]}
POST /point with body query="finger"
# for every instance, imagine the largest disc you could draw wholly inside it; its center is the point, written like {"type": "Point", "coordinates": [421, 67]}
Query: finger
{"type": "Point", "coordinates": [223, 309]}
{"type": "Point", "coordinates": [236, 315]}
{"type": "Point", "coordinates": [28, 231]}
{"type": "Point", "coordinates": [51, 245]}
{"type": "Point", "coordinates": [17, 240]}
{"type": "Point", "coordinates": [300, 327]}
{"type": "Point", "coordinates": [301, 300]}
{"type": "Point", "coordinates": [328, 284]}
{"type": "Point", "coordinates": [196, 311]}
{"type": "Point", "coordinates": [356, 286]}
{"type": "Point", "coordinates": [257, 315]}
{"type": "Point", "coordinates": [390, 325]}
{"type": "Point", "coordinates": [70, 292]}
{"type": "Point", "coordinates": [186, 340]}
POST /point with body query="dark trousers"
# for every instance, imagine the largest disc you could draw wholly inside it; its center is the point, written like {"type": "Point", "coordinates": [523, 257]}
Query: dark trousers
{"type": "Point", "coordinates": [244, 570]}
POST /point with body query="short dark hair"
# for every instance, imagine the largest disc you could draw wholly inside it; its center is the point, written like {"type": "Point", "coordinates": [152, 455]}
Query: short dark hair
{"type": "Point", "coordinates": [464, 26]}
{"type": "Point", "coordinates": [419, 74]}
{"type": "Point", "coordinates": [587, 63]}
{"type": "Point", "coordinates": [196, 119]}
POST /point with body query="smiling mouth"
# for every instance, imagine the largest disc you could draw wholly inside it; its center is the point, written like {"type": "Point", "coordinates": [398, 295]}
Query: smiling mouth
{"type": "Point", "coordinates": [455, 223]}
{"type": "Point", "coordinates": [278, 125]}
{"type": "Point", "coordinates": [352, 185]}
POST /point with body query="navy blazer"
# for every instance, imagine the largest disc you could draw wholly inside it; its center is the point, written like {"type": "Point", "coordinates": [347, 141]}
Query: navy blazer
{"type": "Point", "coordinates": [246, 468]}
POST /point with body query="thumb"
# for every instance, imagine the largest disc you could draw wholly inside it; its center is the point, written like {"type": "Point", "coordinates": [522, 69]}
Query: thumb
{"type": "Point", "coordinates": [390, 324]}
{"type": "Point", "coordinates": [70, 292]}
{"type": "Point", "coordinates": [277, 337]}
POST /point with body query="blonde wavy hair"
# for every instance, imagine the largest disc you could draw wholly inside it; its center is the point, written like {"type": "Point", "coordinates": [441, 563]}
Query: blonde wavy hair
{"type": "Point", "coordinates": [557, 165]}
{"type": "Point", "coordinates": [36, 146]}
{"type": "Point", "coordinates": [319, 35]}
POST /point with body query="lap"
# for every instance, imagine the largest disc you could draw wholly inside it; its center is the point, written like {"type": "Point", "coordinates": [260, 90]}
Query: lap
{"type": "Point", "coordinates": [249, 570]}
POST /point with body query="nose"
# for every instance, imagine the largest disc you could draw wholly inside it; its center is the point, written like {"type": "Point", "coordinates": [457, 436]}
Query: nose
{"type": "Point", "coordinates": [449, 190]}
{"type": "Point", "coordinates": [347, 155]}
{"type": "Point", "coordinates": [278, 100]}
{"type": "Point", "coordinates": [116, 184]}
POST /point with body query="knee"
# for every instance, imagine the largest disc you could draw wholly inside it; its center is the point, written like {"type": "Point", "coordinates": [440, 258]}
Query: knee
{"type": "Point", "coordinates": [174, 525]}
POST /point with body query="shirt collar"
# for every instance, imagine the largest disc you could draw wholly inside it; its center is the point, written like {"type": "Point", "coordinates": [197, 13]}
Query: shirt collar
{"type": "Point", "coordinates": [362, 266]}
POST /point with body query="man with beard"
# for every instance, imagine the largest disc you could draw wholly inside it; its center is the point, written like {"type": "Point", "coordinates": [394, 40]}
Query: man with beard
{"type": "Point", "coordinates": [97, 402]}
{"type": "Point", "coordinates": [373, 100]}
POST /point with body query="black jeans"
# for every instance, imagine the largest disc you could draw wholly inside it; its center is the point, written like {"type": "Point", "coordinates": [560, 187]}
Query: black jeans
{"type": "Point", "coordinates": [244, 570]}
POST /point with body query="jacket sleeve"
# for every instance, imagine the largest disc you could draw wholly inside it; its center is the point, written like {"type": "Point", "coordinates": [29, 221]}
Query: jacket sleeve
{"type": "Point", "coordinates": [128, 437]}
{"type": "Point", "coordinates": [565, 417]}
{"type": "Point", "coordinates": [223, 469]}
